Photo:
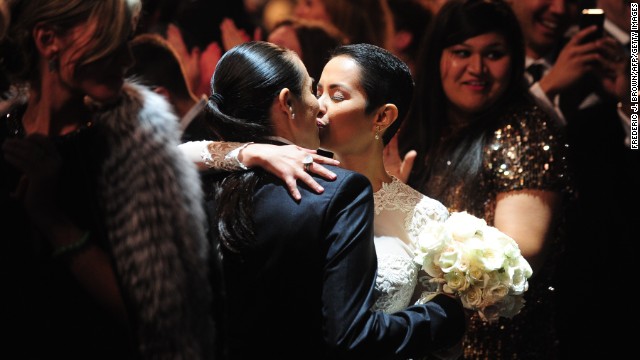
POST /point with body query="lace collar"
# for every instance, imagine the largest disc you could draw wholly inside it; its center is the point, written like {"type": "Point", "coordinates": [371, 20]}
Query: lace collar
{"type": "Point", "coordinates": [395, 196]}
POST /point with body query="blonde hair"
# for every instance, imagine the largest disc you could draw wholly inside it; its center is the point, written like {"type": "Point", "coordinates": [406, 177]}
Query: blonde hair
{"type": "Point", "coordinates": [115, 21]}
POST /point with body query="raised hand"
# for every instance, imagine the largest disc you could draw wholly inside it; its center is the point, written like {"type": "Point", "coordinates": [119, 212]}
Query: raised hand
{"type": "Point", "coordinates": [190, 59]}
{"type": "Point", "coordinates": [232, 35]}
{"type": "Point", "coordinates": [400, 168]}
{"type": "Point", "coordinates": [208, 61]}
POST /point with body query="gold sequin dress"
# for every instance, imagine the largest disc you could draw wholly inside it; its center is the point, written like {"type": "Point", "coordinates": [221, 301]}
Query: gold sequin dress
{"type": "Point", "coordinates": [526, 152]}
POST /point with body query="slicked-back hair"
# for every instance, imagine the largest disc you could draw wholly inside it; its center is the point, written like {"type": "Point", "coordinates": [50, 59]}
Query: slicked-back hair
{"type": "Point", "coordinates": [245, 84]}
{"type": "Point", "coordinates": [247, 79]}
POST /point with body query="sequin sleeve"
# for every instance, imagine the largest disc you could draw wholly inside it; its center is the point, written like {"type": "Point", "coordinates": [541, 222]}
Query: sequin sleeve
{"type": "Point", "coordinates": [528, 152]}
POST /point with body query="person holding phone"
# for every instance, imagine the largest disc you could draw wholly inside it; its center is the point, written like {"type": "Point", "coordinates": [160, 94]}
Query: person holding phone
{"type": "Point", "coordinates": [592, 17]}
{"type": "Point", "coordinates": [573, 87]}
{"type": "Point", "coordinates": [556, 68]}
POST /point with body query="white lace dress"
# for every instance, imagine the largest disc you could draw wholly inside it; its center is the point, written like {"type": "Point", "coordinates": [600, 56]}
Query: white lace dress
{"type": "Point", "coordinates": [400, 214]}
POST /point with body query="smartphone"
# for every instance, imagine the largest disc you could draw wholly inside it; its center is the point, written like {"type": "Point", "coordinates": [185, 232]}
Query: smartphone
{"type": "Point", "coordinates": [590, 17]}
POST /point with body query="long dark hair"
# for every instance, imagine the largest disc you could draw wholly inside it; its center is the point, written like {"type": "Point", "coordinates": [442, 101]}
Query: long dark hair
{"type": "Point", "coordinates": [427, 128]}
{"type": "Point", "coordinates": [247, 80]}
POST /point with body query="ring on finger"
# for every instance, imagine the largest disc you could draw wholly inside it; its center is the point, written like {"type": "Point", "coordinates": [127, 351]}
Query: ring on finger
{"type": "Point", "coordinates": [306, 162]}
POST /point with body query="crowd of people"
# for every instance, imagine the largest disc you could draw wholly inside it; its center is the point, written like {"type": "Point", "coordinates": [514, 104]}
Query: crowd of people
{"type": "Point", "coordinates": [182, 181]}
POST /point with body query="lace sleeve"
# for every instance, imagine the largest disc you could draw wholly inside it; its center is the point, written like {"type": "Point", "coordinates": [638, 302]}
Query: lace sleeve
{"type": "Point", "coordinates": [396, 281]}
{"type": "Point", "coordinates": [213, 154]}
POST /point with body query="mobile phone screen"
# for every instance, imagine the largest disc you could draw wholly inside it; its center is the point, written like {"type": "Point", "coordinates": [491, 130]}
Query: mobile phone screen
{"type": "Point", "coordinates": [591, 17]}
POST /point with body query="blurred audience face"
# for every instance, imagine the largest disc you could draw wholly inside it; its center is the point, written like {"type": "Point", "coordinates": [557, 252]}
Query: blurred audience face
{"type": "Point", "coordinates": [4, 17]}
{"type": "Point", "coordinates": [475, 73]}
{"type": "Point", "coordinates": [311, 10]}
{"type": "Point", "coordinates": [286, 37]}
{"type": "Point", "coordinates": [344, 126]}
{"type": "Point", "coordinates": [102, 79]}
{"type": "Point", "coordinates": [433, 5]}
{"type": "Point", "coordinates": [544, 22]}
{"type": "Point", "coordinates": [306, 110]}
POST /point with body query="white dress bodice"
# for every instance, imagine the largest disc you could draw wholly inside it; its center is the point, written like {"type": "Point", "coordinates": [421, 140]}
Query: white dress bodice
{"type": "Point", "coordinates": [401, 213]}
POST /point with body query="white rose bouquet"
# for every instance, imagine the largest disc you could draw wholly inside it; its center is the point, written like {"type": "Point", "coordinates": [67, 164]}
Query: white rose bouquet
{"type": "Point", "coordinates": [475, 262]}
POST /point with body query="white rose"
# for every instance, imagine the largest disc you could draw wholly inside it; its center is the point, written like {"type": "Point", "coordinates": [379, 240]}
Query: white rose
{"type": "Point", "coordinates": [474, 249]}
{"type": "Point", "coordinates": [431, 266]}
{"type": "Point", "coordinates": [507, 244]}
{"type": "Point", "coordinates": [450, 257]}
{"type": "Point", "coordinates": [432, 238]}
{"type": "Point", "coordinates": [526, 268]}
{"type": "Point", "coordinates": [491, 256]}
{"type": "Point", "coordinates": [463, 225]}
{"type": "Point", "coordinates": [518, 280]}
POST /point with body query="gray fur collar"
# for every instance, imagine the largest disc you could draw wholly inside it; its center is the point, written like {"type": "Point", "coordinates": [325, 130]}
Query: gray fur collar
{"type": "Point", "coordinates": [152, 201]}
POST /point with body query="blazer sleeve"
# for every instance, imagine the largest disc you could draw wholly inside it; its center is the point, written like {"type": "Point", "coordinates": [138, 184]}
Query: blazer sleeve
{"type": "Point", "coordinates": [351, 328]}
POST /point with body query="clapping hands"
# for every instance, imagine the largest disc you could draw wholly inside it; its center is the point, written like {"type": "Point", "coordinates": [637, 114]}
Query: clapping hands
{"type": "Point", "coordinates": [198, 65]}
{"type": "Point", "coordinates": [232, 35]}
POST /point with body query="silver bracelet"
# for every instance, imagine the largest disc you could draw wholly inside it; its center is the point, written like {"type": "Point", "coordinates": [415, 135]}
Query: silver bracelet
{"type": "Point", "coordinates": [233, 154]}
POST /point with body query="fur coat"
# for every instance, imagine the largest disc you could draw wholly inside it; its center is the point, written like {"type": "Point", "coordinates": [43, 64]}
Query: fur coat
{"type": "Point", "coordinates": [151, 198]}
{"type": "Point", "coordinates": [155, 221]}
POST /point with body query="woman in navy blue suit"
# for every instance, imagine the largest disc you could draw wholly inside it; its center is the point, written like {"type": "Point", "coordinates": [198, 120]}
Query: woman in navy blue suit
{"type": "Point", "coordinates": [306, 267]}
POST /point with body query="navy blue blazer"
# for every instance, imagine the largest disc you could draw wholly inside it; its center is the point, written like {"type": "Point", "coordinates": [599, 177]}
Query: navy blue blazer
{"type": "Point", "coordinates": [307, 286]}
